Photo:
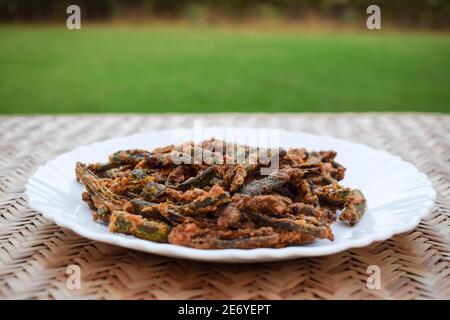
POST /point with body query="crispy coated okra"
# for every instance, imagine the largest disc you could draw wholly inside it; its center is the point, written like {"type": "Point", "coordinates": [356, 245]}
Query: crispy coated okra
{"type": "Point", "coordinates": [140, 227]}
{"type": "Point", "coordinates": [101, 196]}
{"type": "Point", "coordinates": [211, 201]}
{"type": "Point", "coordinates": [354, 208]}
{"type": "Point", "coordinates": [133, 156]}
{"type": "Point", "coordinates": [160, 211]}
{"type": "Point", "coordinates": [333, 194]}
{"type": "Point", "coordinates": [266, 185]}
{"type": "Point", "coordinates": [154, 191]}
{"type": "Point", "coordinates": [223, 204]}
{"type": "Point", "coordinates": [302, 229]}
{"type": "Point", "coordinates": [191, 235]}
{"type": "Point", "coordinates": [201, 180]}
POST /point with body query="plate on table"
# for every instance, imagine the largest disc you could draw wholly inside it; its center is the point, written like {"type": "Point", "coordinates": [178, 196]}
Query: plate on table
{"type": "Point", "coordinates": [398, 196]}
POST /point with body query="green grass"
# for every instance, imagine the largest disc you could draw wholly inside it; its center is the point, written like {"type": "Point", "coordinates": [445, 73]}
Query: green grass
{"type": "Point", "coordinates": [150, 69]}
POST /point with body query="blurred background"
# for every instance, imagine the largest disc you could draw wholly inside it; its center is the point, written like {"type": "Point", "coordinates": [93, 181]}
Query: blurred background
{"type": "Point", "coordinates": [224, 56]}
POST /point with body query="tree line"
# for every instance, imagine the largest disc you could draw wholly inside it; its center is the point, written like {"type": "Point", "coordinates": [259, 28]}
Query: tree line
{"type": "Point", "coordinates": [410, 13]}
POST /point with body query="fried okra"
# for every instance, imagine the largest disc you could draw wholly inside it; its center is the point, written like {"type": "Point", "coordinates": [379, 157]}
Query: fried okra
{"type": "Point", "coordinates": [223, 203]}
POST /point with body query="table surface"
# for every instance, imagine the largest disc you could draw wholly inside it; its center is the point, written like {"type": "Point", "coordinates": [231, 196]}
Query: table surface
{"type": "Point", "coordinates": [35, 253]}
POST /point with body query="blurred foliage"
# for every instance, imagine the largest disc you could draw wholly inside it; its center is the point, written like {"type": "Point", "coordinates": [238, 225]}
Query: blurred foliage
{"type": "Point", "coordinates": [416, 13]}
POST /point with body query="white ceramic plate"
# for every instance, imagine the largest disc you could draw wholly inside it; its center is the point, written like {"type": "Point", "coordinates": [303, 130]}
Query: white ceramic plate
{"type": "Point", "coordinates": [398, 196]}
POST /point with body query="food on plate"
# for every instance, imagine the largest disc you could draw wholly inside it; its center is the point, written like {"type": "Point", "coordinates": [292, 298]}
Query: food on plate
{"type": "Point", "coordinates": [200, 196]}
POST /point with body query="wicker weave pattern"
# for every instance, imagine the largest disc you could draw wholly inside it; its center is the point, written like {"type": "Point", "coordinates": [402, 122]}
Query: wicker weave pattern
{"type": "Point", "coordinates": [35, 253]}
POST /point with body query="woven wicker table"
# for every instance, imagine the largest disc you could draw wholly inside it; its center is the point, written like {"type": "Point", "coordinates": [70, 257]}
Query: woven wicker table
{"type": "Point", "coordinates": [35, 253]}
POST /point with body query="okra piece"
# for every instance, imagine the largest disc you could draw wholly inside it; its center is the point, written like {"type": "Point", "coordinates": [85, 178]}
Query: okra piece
{"type": "Point", "coordinates": [101, 167]}
{"type": "Point", "coordinates": [263, 203]}
{"type": "Point", "coordinates": [211, 201]}
{"type": "Point", "coordinates": [166, 213]}
{"type": "Point", "coordinates": [101, 196]}
{"type": "Point", "coordinates": [305, 228]}
{"type": "Point", "coordinates": [133, 156]}
{"type": "Point", "coordinates": [230, 216]}
{"type": "Point", "coordinates": [305, 170]}
{"type": "Point", "coordinates": [201, 180]}
{"type": "Point", "coordinates": [87, 198]}
{"type": "Point", "coordinates": [354, 208]}
{"type": "Point", "coordinates": [157, 211]}
{"type": "Point", "coordinates": [323, 180]}
{"type": "Point", "coordinates": [217, 181]}
{"type": "Point", "coordinates": [191, 235]}
{"type": "Point", "coordinates": [154, 192]}
{"type": "Point", "coordinates": [288, 191]}
{"type": "Point", "coordinates": [240, 173]}
{"type": "Point", "coordinates": [266, 185]}
{"type": "Point", "coordinates": [115, 172]}
{"type": "Point", "coordinates": [270, 240]}
{"type": "Point", "coordinates": [322, 214]}
{"type": "Point", "coordinates": [131, 183]}
{"type": "Point", "coordinates": [236, 176]}
{"type": "Point", "coordinates": [333, 194]}
{"type": "Point", "coordinates": [147, 209]}
{"type": "Point", "coordinates": [307, 193]}
{"type": "Point", "coordinates": [140, 227]}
